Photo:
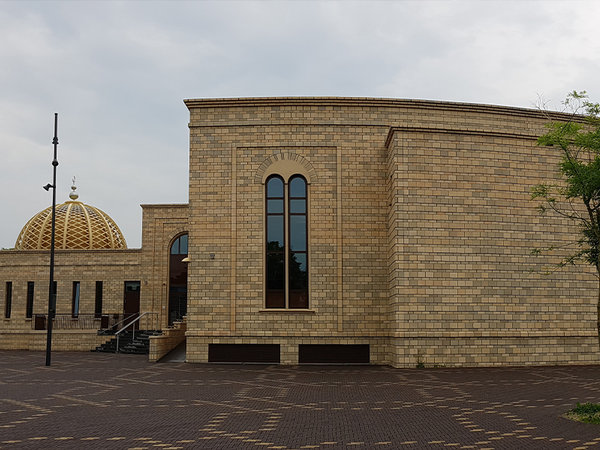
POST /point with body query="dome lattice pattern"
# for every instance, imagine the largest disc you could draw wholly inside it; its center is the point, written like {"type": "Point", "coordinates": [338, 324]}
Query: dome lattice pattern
{"type": "Point", "coordinates": [78, 226]}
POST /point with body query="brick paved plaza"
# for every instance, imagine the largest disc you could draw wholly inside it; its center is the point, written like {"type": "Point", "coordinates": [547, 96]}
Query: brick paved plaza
{"type": "Point", "coordinates": [87, 400]}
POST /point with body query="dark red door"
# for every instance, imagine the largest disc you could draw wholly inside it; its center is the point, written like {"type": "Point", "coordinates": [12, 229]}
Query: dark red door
{"type": "Point", "coordinates": [131, 302]}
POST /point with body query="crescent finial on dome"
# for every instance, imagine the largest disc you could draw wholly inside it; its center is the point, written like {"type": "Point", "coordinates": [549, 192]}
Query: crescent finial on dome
{"type": "Point", "coordinates": [73, 196]}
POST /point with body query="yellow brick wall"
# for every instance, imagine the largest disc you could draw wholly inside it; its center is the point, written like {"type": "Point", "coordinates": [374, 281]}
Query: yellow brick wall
{"type": "Point", "coordinates": [226, 219]}
{"type": "Point", "coordinates": [421, 229]}
{"type": "Point", "coordinates": [465, 288]}
{"type": "Point", "coordinates": [149, 265]}
{"type": "Point", "coordinates": [170, 338]}
{"type": "Point", "coordinates": [112, 267]}
{"type": "Point", "coordinates": [62, 340]}
{"type": "Point", "coordinates": [161, 224]}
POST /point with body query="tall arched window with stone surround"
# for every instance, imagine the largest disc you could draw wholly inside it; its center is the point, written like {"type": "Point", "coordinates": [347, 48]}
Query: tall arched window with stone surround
{"type": "Point", "coordinates": [298, 237]}
{"type": "Point", "coordinates": [276, 249]}
{"type": "Point", "coordinates": [178, 272]}
{"type": "Point", "coordinates": [286, 242]}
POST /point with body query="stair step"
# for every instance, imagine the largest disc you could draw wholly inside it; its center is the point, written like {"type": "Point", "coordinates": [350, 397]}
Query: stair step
{"type": "Point", "coordinates": [127, 343]}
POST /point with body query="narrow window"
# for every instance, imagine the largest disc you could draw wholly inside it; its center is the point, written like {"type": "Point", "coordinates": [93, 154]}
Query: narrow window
{"type": "Point", "coordinates": [178, 271]}
{"type": "Point", "coordinates": [275, 255]}
{"type": "Point", "coordinates": [298, 235]}
{"type": "Point", "coordinates": [29, 308]}
{"type": "Point", "coordinates": [8, 298]}
{"type": "Point", "coordinates": [287, 243]}
{"type": "Point", "coordinates": [75, 302]}
{"type": "Point", "coordinates": [98, 300]}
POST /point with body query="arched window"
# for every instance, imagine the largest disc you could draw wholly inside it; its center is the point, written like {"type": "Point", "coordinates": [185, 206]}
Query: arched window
{"type": "Point", "coordinates": [178, 278]}
{"type": "Point", "coordinates": [286, 222]}
{"type": "Point", "coordinates": [180, 245]}
{"type": "Point", "coordinates": [298, 232]}
{"type": "Point", "coordinates": [275, 243]}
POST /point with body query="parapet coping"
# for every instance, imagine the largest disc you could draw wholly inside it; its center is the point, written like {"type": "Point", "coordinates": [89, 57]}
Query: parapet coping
{"type": "Point", "coordinates": [462, 131]}
{"type": "Point", "coordinates": [95, 251]}
{"type": "Point", "coordinates": [165, 205]}
{"type": "Point", "coordinates": [226, 102]}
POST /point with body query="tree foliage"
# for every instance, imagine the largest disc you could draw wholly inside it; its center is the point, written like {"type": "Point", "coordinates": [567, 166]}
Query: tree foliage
{"type": "Point", "coordinates": [578, 197]}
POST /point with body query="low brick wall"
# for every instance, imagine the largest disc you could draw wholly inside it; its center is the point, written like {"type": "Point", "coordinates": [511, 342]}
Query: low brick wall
{"type": "Point", "coordinates": [163, 344]}
{"type": "Point", "coordinates": [62, 340]}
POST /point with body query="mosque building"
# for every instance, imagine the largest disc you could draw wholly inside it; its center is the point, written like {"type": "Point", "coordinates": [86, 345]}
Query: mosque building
{"type": "Point", "coordinates": [324, 230]}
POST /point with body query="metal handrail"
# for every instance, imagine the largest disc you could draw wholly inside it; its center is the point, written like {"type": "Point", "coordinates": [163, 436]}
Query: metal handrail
{"type": "Point", "coordinates": [115, 325]}
{"type": "Point", "coordinates": [66, 321]}
{"type": "Point", "coordinates": [137, 319]}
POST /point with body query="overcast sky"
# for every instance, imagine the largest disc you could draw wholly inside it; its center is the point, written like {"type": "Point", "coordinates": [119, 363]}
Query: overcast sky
{"type": "Point", "coordinates": [117, 73]}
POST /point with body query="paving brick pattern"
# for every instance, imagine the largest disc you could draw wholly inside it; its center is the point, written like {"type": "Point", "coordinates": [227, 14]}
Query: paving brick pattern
{"type": "Point", "coordinates": [123, 402]}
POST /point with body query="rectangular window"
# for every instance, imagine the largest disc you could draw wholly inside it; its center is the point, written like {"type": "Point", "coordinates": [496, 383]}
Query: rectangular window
{"type": "Point", "coordinates": [29, 308]}
{"type": "Point", "coordinates": [8, 300]}
{"type": "Point", "coordinates": [75, 303]}
{"type": "Point", "coordinates": [98, 302]}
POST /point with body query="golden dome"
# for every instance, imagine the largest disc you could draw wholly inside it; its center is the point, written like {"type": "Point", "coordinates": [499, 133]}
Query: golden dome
{"type": "Point", "coordinates": [78, 226]}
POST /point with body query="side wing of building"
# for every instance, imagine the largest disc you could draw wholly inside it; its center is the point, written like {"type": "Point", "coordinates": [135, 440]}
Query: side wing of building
{"type": "Point", "coordinates": [417, 243]}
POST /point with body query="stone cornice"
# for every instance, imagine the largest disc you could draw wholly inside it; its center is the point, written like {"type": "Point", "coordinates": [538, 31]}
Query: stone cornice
{"type": "Point", "coordinates": [75, 251]}
{"type": "Point", "coordinates": [461, 131]}
{"type": "Point", "coordinates": [165, 205]}
{"type": "Point", "coordinates": [373, 102]}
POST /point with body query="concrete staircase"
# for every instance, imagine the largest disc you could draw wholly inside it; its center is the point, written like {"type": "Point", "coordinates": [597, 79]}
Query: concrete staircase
{"type": "Point", "coordinates": [140, 345]}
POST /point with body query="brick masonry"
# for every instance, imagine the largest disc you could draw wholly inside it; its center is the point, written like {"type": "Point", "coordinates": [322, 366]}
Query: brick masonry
{"type": "Point", "coordinates": [421, 231]}
{"type": "Point", "coordinates": [161, 224]}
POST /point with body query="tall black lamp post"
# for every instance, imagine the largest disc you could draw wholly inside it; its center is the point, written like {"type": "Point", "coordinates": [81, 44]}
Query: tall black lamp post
{"type": "Point", "coordinates": [51, 290]}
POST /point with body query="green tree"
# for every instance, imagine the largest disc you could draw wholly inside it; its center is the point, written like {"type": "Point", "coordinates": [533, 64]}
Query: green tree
{"type": "Point", "coordinates": [578, 197]}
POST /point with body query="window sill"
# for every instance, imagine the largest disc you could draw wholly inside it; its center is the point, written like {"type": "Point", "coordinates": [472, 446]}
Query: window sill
{"type": "Point", "coordinates": [287, 310]}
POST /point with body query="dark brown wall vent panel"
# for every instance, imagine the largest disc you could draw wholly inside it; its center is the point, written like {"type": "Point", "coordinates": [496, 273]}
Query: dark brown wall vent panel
{"type": "Point", "coordinates": [243, 353]}
{"type": "Point", "coordinates": [333, 354]}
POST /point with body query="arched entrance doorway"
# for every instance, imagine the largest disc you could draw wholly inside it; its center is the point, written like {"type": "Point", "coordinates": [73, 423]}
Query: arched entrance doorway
{"type": "Point", "coordinates": [178, 272]}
